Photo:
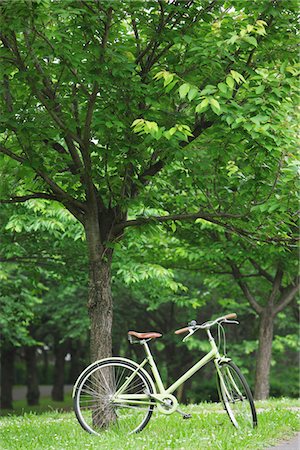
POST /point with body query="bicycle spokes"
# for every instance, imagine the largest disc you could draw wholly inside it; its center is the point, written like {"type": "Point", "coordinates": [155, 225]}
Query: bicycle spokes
{"type": "Point", "coordinates": [236, 396]}
{"type": "Point", "coordinates": [113, 394]}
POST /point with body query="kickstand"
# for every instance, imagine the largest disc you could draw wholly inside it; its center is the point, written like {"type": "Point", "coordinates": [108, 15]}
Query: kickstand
{"type": "Point", "coordinates": [184, 415]}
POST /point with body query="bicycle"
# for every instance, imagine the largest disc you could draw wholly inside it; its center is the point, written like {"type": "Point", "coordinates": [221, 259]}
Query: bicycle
{"type": "Point", "coordinates": [120, 391]}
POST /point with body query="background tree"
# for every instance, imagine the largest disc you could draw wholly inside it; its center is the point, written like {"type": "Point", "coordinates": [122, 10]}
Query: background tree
{"type": "Point", "coordinates": [266, 274]}
{"type": "Point", "coordinates": [31, 266]}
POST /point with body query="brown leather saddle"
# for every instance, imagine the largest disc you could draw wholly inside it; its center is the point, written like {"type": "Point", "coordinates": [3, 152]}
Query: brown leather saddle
{"type": "Point", "coordinates": [141, 336]}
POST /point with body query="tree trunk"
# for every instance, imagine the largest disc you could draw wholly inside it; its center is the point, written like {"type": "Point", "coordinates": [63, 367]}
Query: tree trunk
{"type": "Point", "coordinates": [76, 365]}
{"type": "Point", "coordinates": [100, 308]}
{"type": "Point", "coordinates": [59, 350]}
{"type": "Point", "coordinates": [7, 376]}
{"type": "Point", "coordinates": [33, 392]}
{"type": "Point", "coordinates": [100, 304]}
{"type": "Point", "coordinates": [100, 297]}
{"type": "Point", "coordinates": [45, 370]}
{"type": "Point", "coordinates": [263, 361]}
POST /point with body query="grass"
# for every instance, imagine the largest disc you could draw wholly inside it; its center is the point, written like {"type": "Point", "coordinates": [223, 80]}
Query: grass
{"type": "Point", "coordinates": [45, 404]}
{"type": "Point", "coordinates": [208, 429]}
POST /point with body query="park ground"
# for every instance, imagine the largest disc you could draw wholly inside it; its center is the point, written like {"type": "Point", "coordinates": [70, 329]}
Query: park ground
{"type": "Point", "coordinates": [209, 429]}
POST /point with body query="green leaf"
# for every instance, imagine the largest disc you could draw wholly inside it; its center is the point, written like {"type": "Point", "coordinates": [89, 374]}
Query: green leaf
{"type": "Point", "coordinates": [230, 82]}
{"type": "Point", "coordinates": [233, 39]}
{"type": "Point", "coordinates": [209, 89]}
{"type": "Point", "coordinates": [238, 77]}
{"type": "Point", "coordinates": [215, 103]}
{"type": "Point", "coordinates": [183, 90]}
{"type": "Point", "coordinates": [158, 75]}
{"type": "Point", "coordinates": [251, 40]}
{"type": "Point", "coordinates": [223, 88]}
{"type": "Point", "coordinates": [260, 89]}
{"type": "Point", "coordinates": [137, 122]}
{"type": "Point", "coordinates": [171, 85]}
{"type": "Point", "coordinates": [202, 105]}
{"type": "Point", "coordinates": [192, 93]}
{"type": "Point", "coordinates": [168, 77]}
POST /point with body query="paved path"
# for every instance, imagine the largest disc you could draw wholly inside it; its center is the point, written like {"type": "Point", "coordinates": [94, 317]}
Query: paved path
{"type": "Point", "coordinates": [19, 392]}
{"type": "Point", "coordinates": [294, 444]}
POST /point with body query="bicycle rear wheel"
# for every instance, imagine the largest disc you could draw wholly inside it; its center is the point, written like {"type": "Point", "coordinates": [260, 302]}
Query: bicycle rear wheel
{"type": "Point", "coordinates": [96, 402]}
{"type": "Point", "coordinates": [236, 396]}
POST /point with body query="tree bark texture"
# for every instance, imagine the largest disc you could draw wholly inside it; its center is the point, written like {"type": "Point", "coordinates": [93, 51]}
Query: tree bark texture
{"type": "Point", "coordinates": [98, 229]}
{"type": "Point", "coordinates": [100, 309]}
{"type": "Point", "coordinates": [33, 392]}
{"type": "Point", "coordinates": [7, 376]}
{"type": "Point", "coordinates": [264, 354]}
{"type": "Point", "coordinates": [100, 303]}
{"type": "Point", "coordinates": [59, 351]}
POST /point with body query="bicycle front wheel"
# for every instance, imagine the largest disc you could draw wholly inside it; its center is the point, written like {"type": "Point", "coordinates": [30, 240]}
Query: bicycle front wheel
{"type": "Point", "coordinates": [113, 393]}
{"type": "Point", "coordinates": [236, 396]}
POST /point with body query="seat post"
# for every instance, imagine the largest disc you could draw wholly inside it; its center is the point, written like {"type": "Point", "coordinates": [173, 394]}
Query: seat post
{"type": "Point", "coordinates": [154, 369]}
{"type": "Point", "coordinates": [147, 349]}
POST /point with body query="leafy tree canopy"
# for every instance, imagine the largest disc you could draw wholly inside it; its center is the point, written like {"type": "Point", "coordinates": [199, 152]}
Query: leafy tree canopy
{"type": "Point", "coordinates": [208, 84]}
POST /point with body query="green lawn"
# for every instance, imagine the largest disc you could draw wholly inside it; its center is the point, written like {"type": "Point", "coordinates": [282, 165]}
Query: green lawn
{"type": "Point", "coordinates": [45, 404]}
{"type": "Point", "coordinates": [208, 429]}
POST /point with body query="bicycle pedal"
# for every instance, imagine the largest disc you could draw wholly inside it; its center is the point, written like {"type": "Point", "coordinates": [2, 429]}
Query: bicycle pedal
{"type": "Point", "coordinates": [187, 416]}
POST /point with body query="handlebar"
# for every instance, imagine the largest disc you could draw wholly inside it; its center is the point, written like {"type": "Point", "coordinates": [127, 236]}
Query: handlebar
{"type": "Point", "coordinates": [182, 330]}
{"type": "Point", "coordinates": [192, 326]}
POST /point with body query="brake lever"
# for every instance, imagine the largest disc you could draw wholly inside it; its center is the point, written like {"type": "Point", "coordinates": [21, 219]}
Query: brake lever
{"type": "Point", "coordinates": [231, 321]}
{"type": "Point", "coordinates": [191, 332]}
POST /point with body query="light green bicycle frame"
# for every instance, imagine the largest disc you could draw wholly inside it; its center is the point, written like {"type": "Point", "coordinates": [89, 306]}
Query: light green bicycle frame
{"type": "Point", "coordinates": [161, 391]}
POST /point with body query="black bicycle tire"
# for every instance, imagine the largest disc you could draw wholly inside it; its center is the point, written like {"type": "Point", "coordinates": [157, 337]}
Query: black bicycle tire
{"type": "Point", "coordinates": [245, 386]}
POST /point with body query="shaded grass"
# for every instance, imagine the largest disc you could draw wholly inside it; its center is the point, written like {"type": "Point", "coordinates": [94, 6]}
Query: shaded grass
{"type": "Point", "coordinates": [45, 404]}
{"type": "Point", "coordinates": [208, 429]}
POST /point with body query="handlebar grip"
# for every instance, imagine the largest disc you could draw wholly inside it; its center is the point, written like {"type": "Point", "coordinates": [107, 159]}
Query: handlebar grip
{"type": "Point", "coordinates": [231, 316]}
{"type": "Point", "coordinates": [182, 330]}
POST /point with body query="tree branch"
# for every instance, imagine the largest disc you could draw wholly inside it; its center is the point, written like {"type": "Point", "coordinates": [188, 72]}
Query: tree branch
{"type": "Point", "coordinates": [154, 43]}
{"type": "Point", "coordinates": [7, 94]}
{"type": "Point", "coordinates": [75, 109]}
{"type": "Point", "coordinates": [261, 271]}
{"type": "Point", "coordinates": [91, 191]}
{"type": "Point", "coordinates": [280, 164]}
{"type": "Point", "coordinates": [11, 154]}
{"type": "Point", "coordinates": [245, 288]}
{"type": "Point", "coordinates": [159, 163]}
{"type": "Point", "coordinates": [24, 198]}
{"type": "Point", "coordinates": [288, 295]}
{"type": "Point", "coordinates": [136, 34]}
{"type": "Point", "coordinates": [62, 195]}
{"type": "Point", "coordinates": [144, 178]}
{"type": "Point", "coordinates": [89, 114]}
{"type": "Point", "coordinates": [53, 107]}
{"type": "Point", "coordinates": [73, 152]}
{"type": "Point", "coordinates": [182, 216]}
{"type": "Point", "coordinates": [76, 166]}
{"type": "Point", "coordinates": [276, 285]}
{"type": "Point", "coordinates": [107, 26]}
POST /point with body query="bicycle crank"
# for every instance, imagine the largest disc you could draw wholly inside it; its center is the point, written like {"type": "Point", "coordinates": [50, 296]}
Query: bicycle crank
{"type": "Point", "coordinates": [166, 403]}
